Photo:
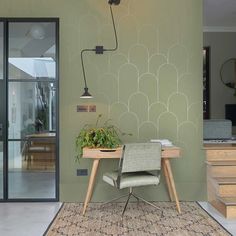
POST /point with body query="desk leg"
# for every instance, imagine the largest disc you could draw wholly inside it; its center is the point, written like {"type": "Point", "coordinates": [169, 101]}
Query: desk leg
{"type": "Point", "coordinates": [167, 181]}
{"type": "Point", "coordinates": [91, 184]}
{"type": "Point", "coordinates": [171, 181]}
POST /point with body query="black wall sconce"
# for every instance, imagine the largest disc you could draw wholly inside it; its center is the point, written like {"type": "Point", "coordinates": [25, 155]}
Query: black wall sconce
{"type": "Point", "coordinates": [98, 50]}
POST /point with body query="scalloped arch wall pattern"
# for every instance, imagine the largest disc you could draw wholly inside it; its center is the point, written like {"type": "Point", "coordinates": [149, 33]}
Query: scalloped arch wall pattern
{"type": "Point", "coordinates": [141, 77]}
{"type": "Point", "coordinates": [151, 86]}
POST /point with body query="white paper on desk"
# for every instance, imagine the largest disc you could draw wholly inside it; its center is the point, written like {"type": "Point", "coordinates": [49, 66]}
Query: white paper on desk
{"type": "Point", "coordinates": [164, 142]}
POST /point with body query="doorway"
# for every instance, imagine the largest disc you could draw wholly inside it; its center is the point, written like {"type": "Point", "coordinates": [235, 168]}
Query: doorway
{"type": "Point", "coordinates": [29, 54]}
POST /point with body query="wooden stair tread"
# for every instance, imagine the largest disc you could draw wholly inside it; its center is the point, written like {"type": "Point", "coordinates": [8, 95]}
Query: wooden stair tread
{"type": "Point", "coordinates": [228, 201]}
{"type": "Point", "coordinates": [221, 163]}
{"type": "Point", "coordinates": [225, 180]}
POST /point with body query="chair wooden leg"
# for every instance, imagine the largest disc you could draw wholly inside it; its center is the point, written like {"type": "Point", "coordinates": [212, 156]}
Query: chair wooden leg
{"type": "Point", "coordinates": [28, 160]}
{"type": "Point", "coordinates": [91, 184]}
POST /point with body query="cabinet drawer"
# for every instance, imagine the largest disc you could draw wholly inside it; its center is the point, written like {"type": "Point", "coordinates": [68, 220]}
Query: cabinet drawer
{"type": "Point", "coordinates": [221, 155]}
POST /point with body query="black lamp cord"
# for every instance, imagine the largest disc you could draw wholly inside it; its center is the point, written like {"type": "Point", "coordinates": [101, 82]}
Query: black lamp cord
{"type": "Point", "coordinates": [103, 49]}
{"type": "Point", "coordinates": [114, 27]}
{"type": "Point", "coordinates": [82, 63]}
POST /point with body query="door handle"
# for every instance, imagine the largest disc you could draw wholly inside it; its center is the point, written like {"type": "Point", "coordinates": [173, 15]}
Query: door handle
{"type": "Point", "coordinates": [1, 127]}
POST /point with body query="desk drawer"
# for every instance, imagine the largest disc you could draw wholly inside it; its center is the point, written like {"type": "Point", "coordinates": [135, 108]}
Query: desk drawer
{"type": "Point", "coordinates": [96, 153]}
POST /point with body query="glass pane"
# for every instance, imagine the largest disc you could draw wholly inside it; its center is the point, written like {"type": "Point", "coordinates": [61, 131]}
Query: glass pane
{"type": "Point", "coordinates": [2, 108]}
{"type": "Point", "coordinates": [32, 50]}
{"type": "Point", "coordinates": [32, 108]}
{"type": "Point", "coordinates": [31, 167]}
{"type": "Point", "coordinates": [1, 170]}
{"type": "Point", "coordinates": [1, 50]}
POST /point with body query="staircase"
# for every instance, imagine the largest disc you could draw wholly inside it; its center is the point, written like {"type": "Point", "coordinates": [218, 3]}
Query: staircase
{"type": "Point", "coordinates": [221, 180]}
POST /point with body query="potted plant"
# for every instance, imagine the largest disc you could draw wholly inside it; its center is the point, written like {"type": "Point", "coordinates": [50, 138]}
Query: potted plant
{"type": "Point", "coordinates": [95, 136]}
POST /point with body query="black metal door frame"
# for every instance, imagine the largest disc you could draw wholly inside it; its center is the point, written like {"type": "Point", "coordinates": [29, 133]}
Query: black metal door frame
{"type": "Point", "coordinates": [4, 105]}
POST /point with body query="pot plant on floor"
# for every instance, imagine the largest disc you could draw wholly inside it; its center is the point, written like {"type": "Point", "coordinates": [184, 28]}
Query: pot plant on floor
{"type": "Point", "coordinates": [95, 136]}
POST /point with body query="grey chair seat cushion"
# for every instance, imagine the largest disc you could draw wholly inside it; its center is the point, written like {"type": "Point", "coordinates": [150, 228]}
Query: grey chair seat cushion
{"type": "Point", "coordinates": [133, 179]}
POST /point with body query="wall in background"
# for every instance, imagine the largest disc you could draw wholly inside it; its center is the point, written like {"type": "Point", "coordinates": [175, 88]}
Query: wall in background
{"type": "Point", "coordinates": [151, 86]}
{"type": "Point", "coordinates": [222, 47]}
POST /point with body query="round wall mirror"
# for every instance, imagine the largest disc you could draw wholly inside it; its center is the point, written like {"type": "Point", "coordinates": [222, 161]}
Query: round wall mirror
{"type": "Point", "coordinates": [228, 73]}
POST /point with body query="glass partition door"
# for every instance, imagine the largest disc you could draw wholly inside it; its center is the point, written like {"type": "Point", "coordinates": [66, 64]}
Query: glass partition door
{"type": "Point", "coordinates": [2, 110]}
{"type": "Point", "coordinates": [29, 109]}
{"type": "Point", "coordinates": [32, 110]}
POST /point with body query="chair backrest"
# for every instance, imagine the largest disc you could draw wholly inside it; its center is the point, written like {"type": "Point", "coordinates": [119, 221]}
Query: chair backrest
{"type": "Point", "coordinates": [141, 157]}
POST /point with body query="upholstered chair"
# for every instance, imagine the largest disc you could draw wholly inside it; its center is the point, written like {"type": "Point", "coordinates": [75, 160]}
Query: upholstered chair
{"type": "Point", "coordinates": [140, 165]}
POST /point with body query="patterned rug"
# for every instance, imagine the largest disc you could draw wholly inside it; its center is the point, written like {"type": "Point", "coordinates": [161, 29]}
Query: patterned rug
{"type": "Point", "coordinates": [139, 220]}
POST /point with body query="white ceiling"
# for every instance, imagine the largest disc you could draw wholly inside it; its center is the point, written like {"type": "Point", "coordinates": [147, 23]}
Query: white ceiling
{"type": "Point", "coordinates": [219, 14]}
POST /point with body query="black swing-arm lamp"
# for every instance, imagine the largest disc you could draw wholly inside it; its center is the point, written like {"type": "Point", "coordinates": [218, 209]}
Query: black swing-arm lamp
{"type": "Point", "coordinates": [98, 50]}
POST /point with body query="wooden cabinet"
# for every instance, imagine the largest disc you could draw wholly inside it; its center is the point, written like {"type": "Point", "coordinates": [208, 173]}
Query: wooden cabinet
{"type": "Point", "coordinates": [221, 177]}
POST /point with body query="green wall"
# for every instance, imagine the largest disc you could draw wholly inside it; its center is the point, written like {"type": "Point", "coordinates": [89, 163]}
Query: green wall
{"type": "Point", "coordinates": [151, 86]}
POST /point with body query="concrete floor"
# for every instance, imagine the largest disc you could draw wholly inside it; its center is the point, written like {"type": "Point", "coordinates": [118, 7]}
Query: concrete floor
{"type": "Point", "coordinates": [229, 225]}
{"type": "Point", "coordinates": [32, 219]}
{"type": "Point", "coordinates": [26, 219]}
{"type": "Point", "coordinates": [30, 184]}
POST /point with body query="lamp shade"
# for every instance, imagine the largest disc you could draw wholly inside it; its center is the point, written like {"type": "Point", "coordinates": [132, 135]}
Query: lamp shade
{"type": "Point", "coordinates": [86, 94]}
{"type": "Point", "coordinates": [116, 2]}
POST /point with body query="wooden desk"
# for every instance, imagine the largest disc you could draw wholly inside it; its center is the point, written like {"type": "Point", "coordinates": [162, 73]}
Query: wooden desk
{"type": "Point", "coordinates": [97, 155]}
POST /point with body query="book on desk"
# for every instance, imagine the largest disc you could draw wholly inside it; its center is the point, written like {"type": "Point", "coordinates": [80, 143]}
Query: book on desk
{"type": "Point", "coordinates": [164, 142]}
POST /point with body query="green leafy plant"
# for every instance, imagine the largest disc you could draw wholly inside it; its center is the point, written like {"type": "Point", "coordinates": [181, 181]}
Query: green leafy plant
{"type": "Point", "coordinates": [94, 136]}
